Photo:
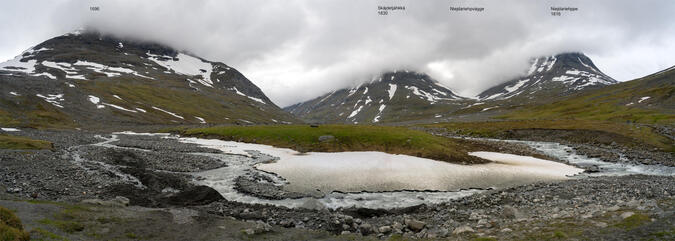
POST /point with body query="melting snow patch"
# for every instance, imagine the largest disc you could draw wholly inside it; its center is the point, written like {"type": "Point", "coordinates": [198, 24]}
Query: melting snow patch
{"type": "Point", "coordinates": [139, 109]}
{"type": "Point", "coordinates": [201, 120]}
{"type": "Point", "coordinates": [644, 98]}
{"type": "Point", "coordinates": [489, 108]}
{"type": "Point", "coordinates": [368, 100]}
{"type": "Point", "coordinates": [117, 96]}
{"type": "Point", "coordinates": [120, 45]}
{"type": "Point", "coordinates": [7, 129]}
{"type": "Point", "coordinates": [392, 90]}
{"type": "Point", "coordinates": [421, 93]}
{"type": "Point", "coordinates": [71, 72]}
{"type": "Point", "coordinates": [170, 113]}
{"type": "Point", "coordinates": [186, 65]}
{"type": "Point", "coordinates": [516, 86]}
{"type": "Point", "coordinates": [53, 99]}
{"type": "Point", "coordinates": [377, 118]}
{"type": "Point", "coordinates": [474, 104]}
{"type": "Point", "coordinates": [355, 112]}
{"type": "Point", "coordinates": [14, 93]}
{"type": "Point", "coordinates": [70, 85]}
{"type": "Point", "coordinates": [573, 72]}
{"type": "Point", "coordinates": [119, 107]}
{"type": "Point", "coordinates": [100, 68]}
{"type": "Point", "coordinates": [17, 65]}
{"type": "Point", "coordinates": [95, 100]}
{"type": "Point", "coordinates": [242, 94]}
{"type": "Point", "coordinates": [48, 75]}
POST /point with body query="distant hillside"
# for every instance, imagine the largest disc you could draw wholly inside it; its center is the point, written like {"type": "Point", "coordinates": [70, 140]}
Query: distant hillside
{"type": "Point", "coordinates": [645, 100]}
{"type": "Point", "coordinates": [86, 79]}
{"type": "Point", "coordinates": [393, 96]}
{"type": "Point", "coordinates": [551, 76]}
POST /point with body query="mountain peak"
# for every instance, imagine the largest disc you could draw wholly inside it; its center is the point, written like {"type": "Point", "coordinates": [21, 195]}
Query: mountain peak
{"type": "Point", "coordinates": [121, 80]}
{"type": "Point", "coordinates": [555, 75]}
{"type": "Point", "coordinates": [392, 94]}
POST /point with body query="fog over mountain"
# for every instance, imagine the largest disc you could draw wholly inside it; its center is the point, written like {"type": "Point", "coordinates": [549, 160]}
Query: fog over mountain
{"type": "Point", "coordinates": [298, 50]}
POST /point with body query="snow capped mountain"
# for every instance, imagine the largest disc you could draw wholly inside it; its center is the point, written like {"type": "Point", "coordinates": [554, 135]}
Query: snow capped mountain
{"type": "Point", "coordinates": [407, 96]}
{"type": "Point", "coordinates": [87, 78]}
{"type": "Point", "coordinates": [557, 75]}
{"type": "Point", "coordinates": [392, 95]}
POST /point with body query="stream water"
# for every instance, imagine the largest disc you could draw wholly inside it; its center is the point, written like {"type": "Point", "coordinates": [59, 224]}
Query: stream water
{"type": "Point", "coordinates": [381, 180]}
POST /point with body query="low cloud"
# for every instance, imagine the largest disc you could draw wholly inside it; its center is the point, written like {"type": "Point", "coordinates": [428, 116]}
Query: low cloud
{"type": "Point", "coordinates": [296, 50]}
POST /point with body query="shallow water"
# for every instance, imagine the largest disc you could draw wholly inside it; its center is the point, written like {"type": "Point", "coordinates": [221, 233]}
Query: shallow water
{"type": "Point", "coordinates": [384, 175]}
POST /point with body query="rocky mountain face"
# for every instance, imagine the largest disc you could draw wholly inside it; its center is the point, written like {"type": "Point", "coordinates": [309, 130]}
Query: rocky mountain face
{"type": "Point", "coordinates": [417, 97]}
{"type": "Point", "coordinates": [552, 76]}
{"type": "Point", "coordinates": [84, 79]}
{"type": "Point", "coordinates": [392, 96]}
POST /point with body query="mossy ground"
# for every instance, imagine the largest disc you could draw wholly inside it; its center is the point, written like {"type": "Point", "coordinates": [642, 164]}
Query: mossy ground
{"type": "Point", "coordinates": [304, 138]}
{"type": "Point", "coordinates": [134, 223]}
{"type": "Point", "coordinates": [22, 143]}
{"type": "Point", "coordinates": [11, 228]}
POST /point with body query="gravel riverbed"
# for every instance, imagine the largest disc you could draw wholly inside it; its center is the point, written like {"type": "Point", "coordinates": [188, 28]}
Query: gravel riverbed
{"type": "Point", "coordinates": [153, 171]}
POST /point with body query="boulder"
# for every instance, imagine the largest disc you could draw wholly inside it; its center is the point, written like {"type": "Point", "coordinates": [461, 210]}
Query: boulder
{"type": "Point", "coordinates": [366, 228]}
{"type": "Point", "coordinates": [384, 229]}
{"type": "Point", "coordinates": [463, 229]}
{"type": "Point", "coordinates": [415, 225]}
{"type": "Point", "coordinates": [262, 227]}
{"type": "Point", "coordinates": [626, 215]}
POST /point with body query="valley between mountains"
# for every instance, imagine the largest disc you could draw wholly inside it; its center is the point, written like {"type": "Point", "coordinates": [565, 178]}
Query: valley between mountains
{"type": "Point", "coordinates": [103, 138]}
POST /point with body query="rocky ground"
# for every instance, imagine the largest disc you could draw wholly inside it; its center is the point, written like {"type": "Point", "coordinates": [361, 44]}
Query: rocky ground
{"type": "Point", "coordinates": [81, 192]}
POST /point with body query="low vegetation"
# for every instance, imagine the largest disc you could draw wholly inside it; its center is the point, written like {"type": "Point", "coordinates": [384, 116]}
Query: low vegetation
{"type": "Point", "coordinates": [11, 228]}
{"type": "Point", "coordinates": [621, 133]}
{"type": "Point", "coordinates": [22, 143]}
{"type": "Point", "coordinates": [337, 138]}
{"type": "Point", "coordinates": [646, 100]}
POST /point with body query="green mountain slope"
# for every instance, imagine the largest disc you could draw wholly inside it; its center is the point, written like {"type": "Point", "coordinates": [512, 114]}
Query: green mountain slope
{"type": "Point", "coordinates": [644, 100]}
{"type": "Point", "coordinates": [90, 80]}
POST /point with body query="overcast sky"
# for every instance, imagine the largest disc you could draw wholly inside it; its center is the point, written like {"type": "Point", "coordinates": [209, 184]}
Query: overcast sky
{"type": "Point", "coordinates": [298, 50]}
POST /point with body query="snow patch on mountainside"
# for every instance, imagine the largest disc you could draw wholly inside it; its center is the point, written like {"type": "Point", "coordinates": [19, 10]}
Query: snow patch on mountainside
{"type": "Point", "coordinates": [168, 112]}
{"type": "Point", "coordinates": [250, 97]}
{"type": "Point", "coordinates": [355, 112]}
{"type": "Point", "coordinates": [186, 65]}
{"type": "Point", "coordinates": [95, 100]}
{"type": "Point", "coordinates": [54, 99]}
{"type": "Point", "coordinates": [119, 107]}
{"type": "Point", "coordinates": [392, 90]}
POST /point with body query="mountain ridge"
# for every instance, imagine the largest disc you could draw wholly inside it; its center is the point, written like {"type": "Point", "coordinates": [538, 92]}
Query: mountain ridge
{"type": "Point", "coordinates": [83, 79]}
